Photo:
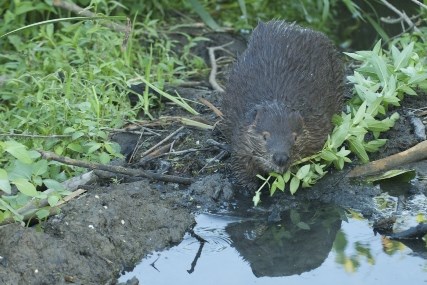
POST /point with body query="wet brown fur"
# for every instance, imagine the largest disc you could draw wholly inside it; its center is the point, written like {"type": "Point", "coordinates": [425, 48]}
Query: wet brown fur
{"type": "Point", "coordinates": [280, 98]}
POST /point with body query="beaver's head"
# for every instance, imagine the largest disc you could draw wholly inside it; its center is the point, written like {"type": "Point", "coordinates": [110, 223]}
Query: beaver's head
{"type": "Point", "coordinates": [272, 132]}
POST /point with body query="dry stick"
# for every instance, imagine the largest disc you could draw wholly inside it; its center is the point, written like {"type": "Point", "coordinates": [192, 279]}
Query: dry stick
{"type": "Point", "coordinates": [214, 69]}
{"type": "Point", "coordinates": [415, 153]}
{"type": "Point", "coordinates": [419, 4]}
{"type": "Point", "coordinates": [211, 106]}
{"type": "Point", "coordinates": [402, 15]}
{"type": "Point", "coordinates": [70, 6]}
{"type": "Point", "coordinates": [136, 148]}
{"type": "Point", "coordinates": [156, 153]}
{"type": "Point", "coordinates": [162, 141]}
{"type": "Point", "coordinates": [133, 130]}
{"type": "Point", "coordinates": [116, 169]}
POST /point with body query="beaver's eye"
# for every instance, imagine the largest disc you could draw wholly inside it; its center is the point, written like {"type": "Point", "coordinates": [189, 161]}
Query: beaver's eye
{"type": "Point", "coordinates": [265, 135]}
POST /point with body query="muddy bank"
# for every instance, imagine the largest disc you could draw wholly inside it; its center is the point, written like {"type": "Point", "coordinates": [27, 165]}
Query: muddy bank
{"type": "Point", "coordinates": [94, 237]}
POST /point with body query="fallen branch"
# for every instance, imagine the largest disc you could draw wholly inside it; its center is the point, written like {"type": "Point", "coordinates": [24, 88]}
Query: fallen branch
{"type": "Point", "coordinates": [162, 141]}
{"type": "Point", "coordinates": [214, 66]}
{"type": "Point", "coordinates": [116, 169]}
{"type": "Point", "coordinates": [402, 15]}
{"type": "Point", "coordinates": [70, 6]}
{"type": "Point", "coordinates": [415, 153]}
{"type": "Point", "coordinates": [211, 106]}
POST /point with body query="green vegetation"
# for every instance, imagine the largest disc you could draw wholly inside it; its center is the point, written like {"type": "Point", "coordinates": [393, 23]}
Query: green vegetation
{"type": "Point", "coordinates": [64, 82]}
{"type": "Point", "coordinates": [383, 77]}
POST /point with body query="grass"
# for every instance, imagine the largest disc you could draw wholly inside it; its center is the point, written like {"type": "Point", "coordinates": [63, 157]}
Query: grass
{"type": "Point", "coordinates": [65, 81]}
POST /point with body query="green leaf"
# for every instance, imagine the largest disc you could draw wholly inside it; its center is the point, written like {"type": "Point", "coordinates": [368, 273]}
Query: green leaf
{"type": "Point", "coordinates": [256, 199]}
{"type": "Point", "coordinates": [77, 135]}
{"type": "Point", "coordinates": [408, 90]}
{"type": "Point", "coordinates": [360, 114]}
{"type": "Point", "coordinates": [19, 169]}
{"type": "Point", "coordinates": [343, 152]}
{"type": "Point", "coordinates": [93, 146]}
{"type": "Point", "coordinates": [303, 226]}
{"type": "Point", "coordinates": [319, 168]}
{"type": "Point", "coordinates": [374, 107]}
{"type": "Point", "coordinates": [40, 167]}
{"type": "Point", "coordinates": [18, 150]}
{"type": "Point", "coordinates": [69, 130]}
{"type": "Point", "coordinates": [402, 175]}
{"type": "Point", "coordinates": [417, 78]}
{"type": "Point", "coordinates": [53, 200]}
{"type": "Point", "coordinates": [357, 147]}
{"type": "Point", "coordinates": [294, 185]}
{"type": "Point", "coordinates": [374, 145]}
{"type": "Point", "coordinates": [277, 183]}
{"type": "Point", "coordinates": [328, 155]}
{"type": "Point", "coordinates": [340, 133]}
{"type": "Point", "coordinates": [355, 56]}
{"type": "Point", "coordinates": [401, 59]}
{"type": "Point", "coordinates": [303, 171]}
{"type": "Point", "coordinates": [4, 181]}
{"type": "Point", "coordinates": [53, 184]}
{"type": "Point", "coordinates": [75, 147]}
{"type": "Point", "coordinates": [206, 17]}
{"type": "Point", "coordinates": [42, 213]}
{"type": "Point", "coordinates": [104, 158]}
{"type": "Point", "coordinates": [380, 67]}
{"type": "Point", "coordinates": [287, 176]}
{"type": "Point", "coordinates": [25, 187]}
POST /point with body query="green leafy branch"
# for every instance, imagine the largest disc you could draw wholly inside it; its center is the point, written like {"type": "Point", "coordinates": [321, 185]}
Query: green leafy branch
{"type": "Point", "coordinates": [380, 81]}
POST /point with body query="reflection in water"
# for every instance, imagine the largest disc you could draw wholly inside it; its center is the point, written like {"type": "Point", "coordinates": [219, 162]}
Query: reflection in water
{"type": "Point", "coordinates": [300, 242]}
{"type": "Point", "coordinates": [311, 245]}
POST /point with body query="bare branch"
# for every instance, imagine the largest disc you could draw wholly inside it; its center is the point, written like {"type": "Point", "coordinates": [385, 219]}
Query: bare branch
{"type": "Point", "coordinates": [116, 169]}
{"type": "Point", "coordinates": [214, 66]}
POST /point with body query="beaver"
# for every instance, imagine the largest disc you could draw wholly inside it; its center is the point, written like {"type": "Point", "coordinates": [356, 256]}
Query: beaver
{"type": "Point", "coordinates": [280, 98]}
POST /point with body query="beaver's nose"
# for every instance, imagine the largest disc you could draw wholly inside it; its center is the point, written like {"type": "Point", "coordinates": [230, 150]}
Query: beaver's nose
{"type": "Point", "coordinates": [280, 158]}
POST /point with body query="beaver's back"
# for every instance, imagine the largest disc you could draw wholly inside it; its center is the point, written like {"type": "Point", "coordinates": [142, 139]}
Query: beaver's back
{"type": "Point", "coordinates": [286, 62]}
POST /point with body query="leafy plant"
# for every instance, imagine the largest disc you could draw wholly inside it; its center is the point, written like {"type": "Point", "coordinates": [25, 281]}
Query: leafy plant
{"type": "Point", "coordinates": [64, 82]}
{"type": "Point", "coordinates": [381, 81]}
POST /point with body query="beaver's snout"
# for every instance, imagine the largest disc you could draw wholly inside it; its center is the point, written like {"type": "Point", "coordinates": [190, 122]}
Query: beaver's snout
{"type": "Point", "coordinates": [281, 159]}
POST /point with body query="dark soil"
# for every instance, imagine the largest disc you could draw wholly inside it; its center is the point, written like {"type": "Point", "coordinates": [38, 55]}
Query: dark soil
{"type": "Point", "coordinates": [111, 227]}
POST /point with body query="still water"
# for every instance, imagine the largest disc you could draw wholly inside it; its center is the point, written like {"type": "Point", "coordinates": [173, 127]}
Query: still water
{"type": "Point", "coordinates": [322, 246]}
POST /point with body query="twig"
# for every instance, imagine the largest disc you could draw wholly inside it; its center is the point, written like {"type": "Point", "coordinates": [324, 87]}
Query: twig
{"type": "Point", "coordinates": [70, 6]}
{"type": "Point", "coordinates": [217, 157]}
{"type": "Point", "coordinates": [211, 106]}
{"type": "Point", "coordinates": [161, 142]}
{"type": "Point", "coordinates": [415, 153]}
{"type": "Point", "coordinates": [116, 169]}
{"type": "Point", "coordinates": [214, 66]}
{"type": "Point", "coordinates": [419, 4]}
{"type": "Point", "coordinates": [401, 14]}
{"type": "Point", "coordinates": [135, 149]}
